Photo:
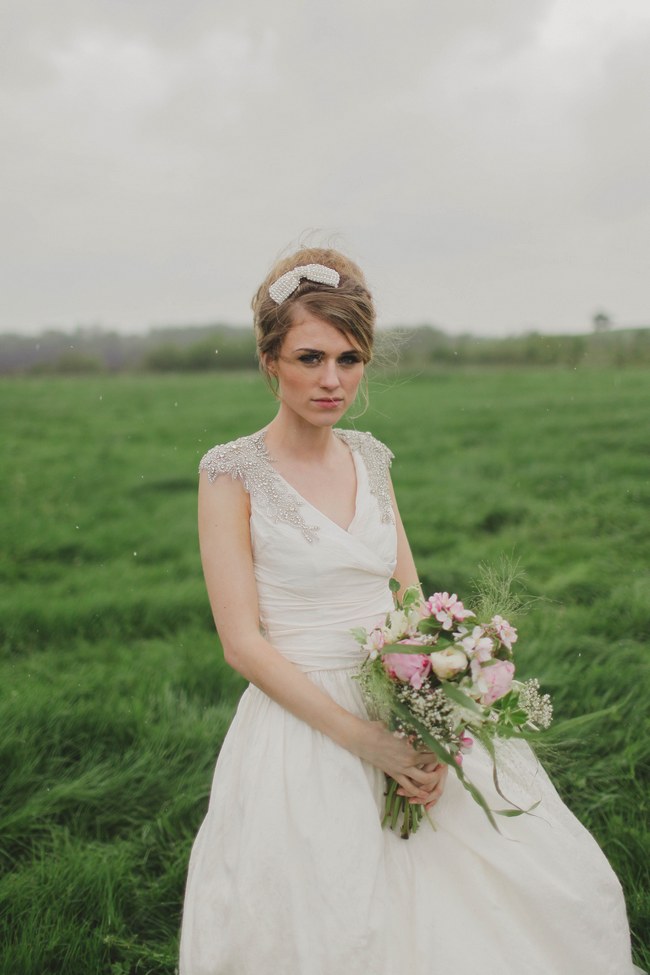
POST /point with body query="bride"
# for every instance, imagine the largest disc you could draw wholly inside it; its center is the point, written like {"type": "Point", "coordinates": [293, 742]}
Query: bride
{"type": "Point", "coordinates": [291, 872]}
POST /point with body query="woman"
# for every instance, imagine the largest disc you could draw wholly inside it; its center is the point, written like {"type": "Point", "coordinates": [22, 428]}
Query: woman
{"type": "Point", "coordinates": [291, 871]}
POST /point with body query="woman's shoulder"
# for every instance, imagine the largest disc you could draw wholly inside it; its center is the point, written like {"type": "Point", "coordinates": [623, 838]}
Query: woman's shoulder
{"type": "Point", "coordinates": [239, 458]}
{"type": "Point", "coordinates": [373, 451]}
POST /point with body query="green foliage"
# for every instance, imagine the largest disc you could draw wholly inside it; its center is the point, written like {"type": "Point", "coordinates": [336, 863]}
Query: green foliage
{"type": "Point", "coordinates": [71, 364]}
{"type": "Point", "coordinates": [497, 588]}
{"type": "Point", "coordinates": [232, 350]}
{"type": "Point", "coordinates": [226, 348]}
{"type": "Point", "coordinates": [114, 697]}
{"type": "Point", "coordinates": [426, 348]}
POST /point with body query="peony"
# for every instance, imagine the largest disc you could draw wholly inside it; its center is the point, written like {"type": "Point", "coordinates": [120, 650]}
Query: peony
{"type": "Point", "coordinates": [496, 680]}
{"type": "Point", "coordinates": [447, 609]}
{"type": "Point", "coordinates": [447, 663]}
{"type": "Point", "coordinates": [411, 667]}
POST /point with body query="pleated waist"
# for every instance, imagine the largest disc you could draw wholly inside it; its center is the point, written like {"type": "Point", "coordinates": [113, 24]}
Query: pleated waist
{"type": "Point", "coordinates": [310, 661]}
{"type": "Point", "coordinates": [316, 649]}
{"type": "Point", "coordinates": [322, 639]}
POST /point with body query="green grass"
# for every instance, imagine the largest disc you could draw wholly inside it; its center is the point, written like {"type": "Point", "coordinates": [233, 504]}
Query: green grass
{"type": "Point", "coordinates": [114, 698]}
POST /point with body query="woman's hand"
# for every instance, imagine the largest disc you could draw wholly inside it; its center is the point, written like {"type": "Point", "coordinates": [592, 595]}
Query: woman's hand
{"type": "Point", "coordinates": [441, 770]}
{"type": "Point", "coordinates": [418, 773]}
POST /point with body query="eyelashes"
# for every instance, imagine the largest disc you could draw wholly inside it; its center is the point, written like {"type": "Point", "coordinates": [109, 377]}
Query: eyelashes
{"type": "Point", "coordinates": [315, 358]}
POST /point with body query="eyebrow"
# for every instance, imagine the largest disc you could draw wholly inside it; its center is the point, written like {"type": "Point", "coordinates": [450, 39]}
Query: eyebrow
{"type": "Point", "coordinates": [320, 351]}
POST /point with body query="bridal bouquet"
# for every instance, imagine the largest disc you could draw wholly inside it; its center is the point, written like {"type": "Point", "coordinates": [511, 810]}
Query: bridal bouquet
{"type": "Point", "coordinates": [442, 676]}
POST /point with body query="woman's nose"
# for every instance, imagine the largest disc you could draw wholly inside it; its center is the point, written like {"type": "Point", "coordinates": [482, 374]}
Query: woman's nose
{"type": "Point", "coordinates": [330, 374]}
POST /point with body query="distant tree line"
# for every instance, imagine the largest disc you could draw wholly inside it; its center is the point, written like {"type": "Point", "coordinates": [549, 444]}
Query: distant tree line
{"type": "Point", "coordinates": [428, 347]}
{"type": "Point", "coordinates": [87, 350]}
{"type": "Point", "coordinates": [226, 347]}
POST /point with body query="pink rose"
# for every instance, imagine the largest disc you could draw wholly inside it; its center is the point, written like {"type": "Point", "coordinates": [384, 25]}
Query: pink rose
{"type": "Point", "coordinates": [411, 667]}
{"type": "Point", "coordinates": [497, 678]}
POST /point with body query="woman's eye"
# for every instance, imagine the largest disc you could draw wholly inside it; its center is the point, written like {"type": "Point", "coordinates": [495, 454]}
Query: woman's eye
{"type": "Point", "coordinates": [315, 358]}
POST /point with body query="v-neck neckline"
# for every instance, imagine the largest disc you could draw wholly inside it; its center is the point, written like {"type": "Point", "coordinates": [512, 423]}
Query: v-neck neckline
{"type": "Point", "coordinates": [353, 453]}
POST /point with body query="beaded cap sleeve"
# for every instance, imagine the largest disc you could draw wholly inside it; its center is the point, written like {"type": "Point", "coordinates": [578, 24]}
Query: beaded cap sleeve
{"type": "Point", "coordinates": [247, 460]}
{"type": "Point", "coordinates": [377, 457]}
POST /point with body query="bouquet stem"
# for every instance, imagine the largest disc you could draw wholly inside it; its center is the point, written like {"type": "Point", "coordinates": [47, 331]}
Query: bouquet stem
{"type": "Point", "coordinates": [398, 809]}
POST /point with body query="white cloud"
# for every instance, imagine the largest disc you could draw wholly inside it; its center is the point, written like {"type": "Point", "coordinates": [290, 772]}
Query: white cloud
{"type": "Point", "coordinates": [488, 163]}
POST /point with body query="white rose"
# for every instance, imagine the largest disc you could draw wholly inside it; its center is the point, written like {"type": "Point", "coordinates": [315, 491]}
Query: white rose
{"type": "Point", "coordinates": [447, 663]}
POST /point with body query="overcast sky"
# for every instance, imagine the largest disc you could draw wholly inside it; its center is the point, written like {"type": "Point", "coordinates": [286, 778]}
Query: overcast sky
{"type": "Point", "coordinates": [486, 161]}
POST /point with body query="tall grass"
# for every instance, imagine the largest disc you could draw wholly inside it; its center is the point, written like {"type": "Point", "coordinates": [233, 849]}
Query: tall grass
{"type": "Point", "coordinates": [114, 696]}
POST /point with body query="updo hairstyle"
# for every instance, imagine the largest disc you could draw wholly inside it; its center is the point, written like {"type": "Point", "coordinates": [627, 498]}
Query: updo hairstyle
{"type": "Point", "coordinates": [348, 308]}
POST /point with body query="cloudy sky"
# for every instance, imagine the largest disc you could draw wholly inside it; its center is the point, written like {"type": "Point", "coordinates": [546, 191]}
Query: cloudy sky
{"type": "Point", "coordinates": [488, 163]}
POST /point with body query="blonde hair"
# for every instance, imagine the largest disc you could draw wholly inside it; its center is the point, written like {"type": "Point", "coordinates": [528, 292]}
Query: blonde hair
{"type": "Point", "coordinates": [348, 307]}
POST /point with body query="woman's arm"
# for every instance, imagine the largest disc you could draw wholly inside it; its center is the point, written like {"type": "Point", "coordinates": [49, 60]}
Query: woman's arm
{"type": "Point", "coordinates": [224, 536]}
{"type": "Point", "coordinates": [405, 570]}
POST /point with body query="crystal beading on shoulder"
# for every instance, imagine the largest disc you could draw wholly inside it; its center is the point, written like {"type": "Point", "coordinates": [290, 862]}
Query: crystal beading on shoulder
{"type": "Point", "coordinates": [377, 458]}
{"type": "Point", "coordinates": [246, 459]}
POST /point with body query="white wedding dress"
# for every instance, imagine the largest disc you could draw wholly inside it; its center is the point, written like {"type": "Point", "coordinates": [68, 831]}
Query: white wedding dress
{"type": "Point", "coordinates": [291, 872]}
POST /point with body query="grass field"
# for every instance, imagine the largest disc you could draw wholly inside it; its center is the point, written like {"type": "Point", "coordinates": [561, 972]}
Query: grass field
{"type": "Point", "coordinates": [114, 698]}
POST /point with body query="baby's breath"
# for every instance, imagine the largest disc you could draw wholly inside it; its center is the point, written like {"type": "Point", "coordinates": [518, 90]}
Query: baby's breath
{"type": "Point", "coordinates": [537, 706]}
{"type": "Point", "coordinates": [431, 707]}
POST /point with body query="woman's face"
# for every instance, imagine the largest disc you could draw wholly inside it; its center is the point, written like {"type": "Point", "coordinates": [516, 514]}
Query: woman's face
{"type": "Point", "coordinates": [318, 370]}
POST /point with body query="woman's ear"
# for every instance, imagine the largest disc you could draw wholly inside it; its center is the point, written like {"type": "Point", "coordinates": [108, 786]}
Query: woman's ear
{"type": "Point", "coordinates": [269, 365]}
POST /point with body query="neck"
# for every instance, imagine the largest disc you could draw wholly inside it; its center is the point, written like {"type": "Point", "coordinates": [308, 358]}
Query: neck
{"type": "Point", "coordinates": [292, 435]}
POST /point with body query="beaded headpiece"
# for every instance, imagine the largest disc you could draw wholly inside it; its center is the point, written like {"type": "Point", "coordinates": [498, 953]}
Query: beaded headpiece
{"type": "Point", "coordinates": [287, 283]}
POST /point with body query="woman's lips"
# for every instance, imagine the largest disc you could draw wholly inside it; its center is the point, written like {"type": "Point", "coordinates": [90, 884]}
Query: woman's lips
{"type": "Point", "coordinates": [328, 403]}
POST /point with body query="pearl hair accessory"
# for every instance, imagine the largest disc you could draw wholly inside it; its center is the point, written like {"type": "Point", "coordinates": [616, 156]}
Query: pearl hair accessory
{"type": "Point", "coordinates": [287, 283]}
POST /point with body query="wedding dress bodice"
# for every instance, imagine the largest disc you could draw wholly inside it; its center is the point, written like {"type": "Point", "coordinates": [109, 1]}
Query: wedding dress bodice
{"type": "Point", "coordinates": [315, 579]}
